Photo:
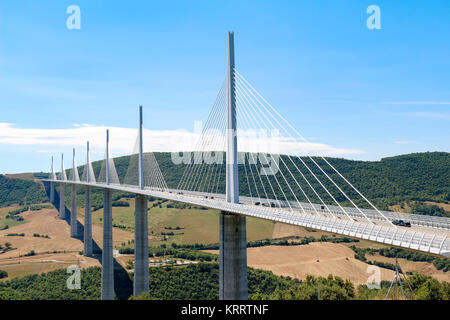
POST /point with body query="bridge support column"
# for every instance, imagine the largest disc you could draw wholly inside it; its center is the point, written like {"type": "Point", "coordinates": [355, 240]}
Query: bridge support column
{"type": "Point", "coordinates": [87, 223]}
{"type": "Point", "coordinates": [62, 206]}
{"type": "Point", "coordinates": [107, 251]}
{"type": "Point", "coordinates": [73, 214]}
{"type": "Point", "coordinates": [233, 239]}
{"type": "Point", "coordinates": [52, 192]}
{"type": "Point", "coordinates": [52, 184]}
{"type": "Point", "coordinates": [233, 257]}
{"type": "Point", "coordinates": [141, 282]}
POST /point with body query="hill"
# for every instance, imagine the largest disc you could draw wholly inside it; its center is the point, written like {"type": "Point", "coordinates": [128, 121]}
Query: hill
{"type": "Point", "coordinates": [391, 181]}
{"type": "Point", "coordinates": [20, 191]}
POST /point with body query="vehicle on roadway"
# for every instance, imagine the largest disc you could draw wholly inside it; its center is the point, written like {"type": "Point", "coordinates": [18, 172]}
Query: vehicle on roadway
{"type": "Point", "coordinates": [402, 223]}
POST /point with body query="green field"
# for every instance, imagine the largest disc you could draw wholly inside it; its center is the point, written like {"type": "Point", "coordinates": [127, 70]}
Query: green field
{"type": "Point", "coordinates": [195, 225]}
{"type": "Point", "coordinates": [4, 221]}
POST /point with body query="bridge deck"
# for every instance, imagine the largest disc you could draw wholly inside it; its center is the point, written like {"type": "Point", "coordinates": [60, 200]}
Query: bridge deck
{"type": "Point", "coordinates": [425, 235]}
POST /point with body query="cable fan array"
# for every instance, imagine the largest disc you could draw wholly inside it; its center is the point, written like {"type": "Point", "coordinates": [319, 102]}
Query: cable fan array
{"type": "Point", "coordinates": [205, 170]}
{"type": "Point", "coordinates": [275, 167]}
{"type": "Point", "coordinates": [153, 178]}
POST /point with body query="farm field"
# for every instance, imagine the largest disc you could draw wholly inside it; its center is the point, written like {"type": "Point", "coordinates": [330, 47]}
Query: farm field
{"type": "Point", "coordinates": [324, 258]}
{"type": "Point", "coordinates": [195, 225]}
{"type": "Point", "coordinates": [4, 221]}
{"type": "Point", "coordinates": [55, 249]}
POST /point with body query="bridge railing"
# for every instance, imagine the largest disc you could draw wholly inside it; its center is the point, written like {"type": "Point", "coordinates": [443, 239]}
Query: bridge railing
{"type": "Point", "coordinates": [422, 241]}
{"type": "Point", "coordinates": [426, 242]}
{"type": "Point", "coordinates": [414, 219]}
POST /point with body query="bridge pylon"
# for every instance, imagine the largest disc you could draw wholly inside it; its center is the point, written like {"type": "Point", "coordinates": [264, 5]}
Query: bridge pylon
{"type": "Point", "coordinates": [107, 250]}
{"type": "Point", "coordinates": [88, 244]}
{"type": "Point", "coordinates": [141, 273]}
{"type": "Point", "coordinates": [52, 184]}
{"type": "Point", "coordinates": [233, 238]}
{"type": "Point", "coordinates": [62, 206]}
{"type": "Point", "coordinates": [73, 213]}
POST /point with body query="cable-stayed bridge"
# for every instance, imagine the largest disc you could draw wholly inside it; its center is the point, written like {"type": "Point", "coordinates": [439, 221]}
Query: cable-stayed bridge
{"type": "Point", "coordinates": [248, 161]}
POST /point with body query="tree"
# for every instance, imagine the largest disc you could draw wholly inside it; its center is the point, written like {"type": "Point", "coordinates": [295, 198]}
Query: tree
{"type": "Point", "coordinates": [10, 294]}
{"type": "Point", "coordinates": [3, 274]}
{"type": "Point", "coordinates": [143, 296]}
{"type": "Point", "coordinates": [430, 290]}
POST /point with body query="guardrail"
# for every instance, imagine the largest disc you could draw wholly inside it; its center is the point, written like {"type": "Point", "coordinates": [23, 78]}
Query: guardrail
{"type": "Point", "coordinates": [410, 239]}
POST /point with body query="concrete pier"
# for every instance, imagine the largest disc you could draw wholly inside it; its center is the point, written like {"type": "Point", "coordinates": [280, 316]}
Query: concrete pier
{"type": "Point", "coordinates": [52, 192]}
{"type": "Point", "coordinates": [62, 206]}
{"type": "Point", "coordinates": [88, 244]}
{"type": "Point", "coordinates": [88, 249]}
{"type": "Point", "coordinates": [73, 214]}
{"type": "Point", "coordinates": [233, 257]}
{"type": "Point", "coordinates": [107, 251]}
{"type": "Point", "coordinates": [141, 280]}
{"type": "Point", "coordinates": [52, 185]}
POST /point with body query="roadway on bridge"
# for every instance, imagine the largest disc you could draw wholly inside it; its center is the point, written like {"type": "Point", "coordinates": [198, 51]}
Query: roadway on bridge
{"type": "Point", "coordinates": [422, 238]}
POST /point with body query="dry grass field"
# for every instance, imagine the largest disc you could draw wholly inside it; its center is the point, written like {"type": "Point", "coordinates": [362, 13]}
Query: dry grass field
{"type": "Point", "coordinates": [324, 258]}
{"type": "Point", "coordinates": [59, 251]}
{"type": "Point", "coordinates": [415, 266]}
{"type": "Point", "coordinates": [317, 259]}
{"type": "Point", "coordinates": [201, 226]}
{"type": "Point", "coordinates": [18, 267]}
{"type": "Point", "coordinates": [407, 206]}
{"type": "Point", "coordinates": [23, 176]}
{"type": "Point", "coordinates": [445, 206]}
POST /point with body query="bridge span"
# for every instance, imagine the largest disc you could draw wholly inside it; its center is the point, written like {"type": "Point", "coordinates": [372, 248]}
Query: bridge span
{"type": "Point", "coordinates": [281, 195]}
{"type": "Point", "coordinates": [422, 236]}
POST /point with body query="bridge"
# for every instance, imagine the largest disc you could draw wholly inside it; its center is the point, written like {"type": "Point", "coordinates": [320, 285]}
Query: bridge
{"type": "Point", "coordinates": [252, 182]}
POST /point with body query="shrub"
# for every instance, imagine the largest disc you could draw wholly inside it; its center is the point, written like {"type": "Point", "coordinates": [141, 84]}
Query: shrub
{"type": "Point", "coordinates": [3, 274]}
{"type": "Point", "coordinates": [120, 203]}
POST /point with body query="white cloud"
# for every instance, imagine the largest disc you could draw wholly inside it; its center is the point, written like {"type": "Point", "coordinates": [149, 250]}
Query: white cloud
{"type": "Point", "coordinates": [417, 103]}
{"type": "Point", "coordinates": [428, 115]}
{"type": "Point", "coordinates": [122, 141]}
{"type": "Point", "coordinates": [404, 142]}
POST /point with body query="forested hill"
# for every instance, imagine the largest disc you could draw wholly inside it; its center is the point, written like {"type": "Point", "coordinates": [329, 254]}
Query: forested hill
{"type": "Point", "coordinates": [416, 177]}
{"type": "Point", "coordinates": [411, 177]}
{"type": "Point", "coordinates": [19, 191]}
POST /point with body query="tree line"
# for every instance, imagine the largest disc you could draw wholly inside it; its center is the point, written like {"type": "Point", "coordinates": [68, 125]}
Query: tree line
{"type": "Point", "coordinates": [201, 282]}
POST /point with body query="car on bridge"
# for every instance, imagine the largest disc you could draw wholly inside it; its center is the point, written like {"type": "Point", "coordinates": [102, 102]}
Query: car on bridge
{"type": "Point", "coordinates": [402, 223]}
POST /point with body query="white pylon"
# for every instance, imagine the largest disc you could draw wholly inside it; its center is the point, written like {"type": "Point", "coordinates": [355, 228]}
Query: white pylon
{"type": "Point", "coordinates": [75, 177]}
{"type": "Point", "coordinates": [53, 174]}
{"type": "Point", "coordinates": [107, 158]}
{"type": "Point", "coordinates": [63, 171]}
{"type": "Point", "coordinates": [232, 183]}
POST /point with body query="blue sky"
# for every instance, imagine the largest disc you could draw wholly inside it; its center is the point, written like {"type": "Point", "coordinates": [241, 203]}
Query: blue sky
{"type": "Point", "coordinates": [384, 92]}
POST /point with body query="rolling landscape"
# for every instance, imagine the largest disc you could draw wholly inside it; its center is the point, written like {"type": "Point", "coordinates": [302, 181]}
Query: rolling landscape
{"type": "Point", "coordinates": [35, 241]}
{"type": "Point", "coordinates": [224, 159]}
